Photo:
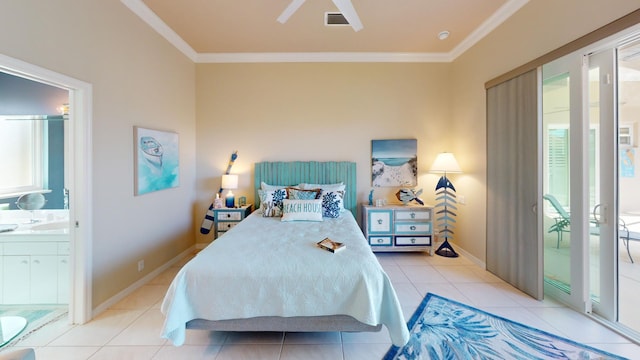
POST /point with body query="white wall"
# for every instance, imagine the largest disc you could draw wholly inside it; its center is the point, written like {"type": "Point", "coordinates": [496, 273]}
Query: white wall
{"type": "Point", "coordinates": [138, 79]}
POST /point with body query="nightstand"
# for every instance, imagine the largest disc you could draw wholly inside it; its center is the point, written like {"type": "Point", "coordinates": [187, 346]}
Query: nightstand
{"type": "Point", "coordinates": [398, 227]}
{"type": "Point", "coordinates": [226, 218]}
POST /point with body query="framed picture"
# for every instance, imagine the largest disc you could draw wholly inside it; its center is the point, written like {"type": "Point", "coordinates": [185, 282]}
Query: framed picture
{"type": "Point", "coordinates": [156, 160]}
{"type": "Point", "coordinates": [394, 163]}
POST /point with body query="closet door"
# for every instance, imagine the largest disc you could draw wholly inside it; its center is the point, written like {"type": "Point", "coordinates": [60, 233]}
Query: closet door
{"type": "Point", "coordinates": [514, 252]}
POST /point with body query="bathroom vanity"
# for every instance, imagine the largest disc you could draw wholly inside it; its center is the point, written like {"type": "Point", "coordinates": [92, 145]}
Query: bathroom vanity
{"type": "Point", "coordinates": [34, 264]}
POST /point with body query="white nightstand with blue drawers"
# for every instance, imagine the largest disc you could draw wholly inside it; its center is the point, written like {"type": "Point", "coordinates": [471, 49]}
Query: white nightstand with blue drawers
{"type": "Point", "coordinates": [398, 227]}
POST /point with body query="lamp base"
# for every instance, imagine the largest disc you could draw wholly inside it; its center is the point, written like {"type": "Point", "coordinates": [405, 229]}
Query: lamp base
{"type": "Point", "coordinates": [446, 250]}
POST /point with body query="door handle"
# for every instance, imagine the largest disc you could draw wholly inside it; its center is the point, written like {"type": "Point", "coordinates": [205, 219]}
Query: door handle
{"type": "Point", "coordinates": [597, 216]}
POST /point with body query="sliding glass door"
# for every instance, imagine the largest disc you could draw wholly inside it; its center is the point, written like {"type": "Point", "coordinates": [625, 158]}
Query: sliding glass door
{"type": "Point", "coordinates": [602, 186]}
{"type": "Point", "coordinates": [579, 175]}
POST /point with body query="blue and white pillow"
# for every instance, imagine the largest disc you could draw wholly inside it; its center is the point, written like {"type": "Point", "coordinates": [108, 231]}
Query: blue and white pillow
{"type": "Point", "coordinates": [271, 202]}
{"type": "Point", "coordinates": [299, 194]}
{"type": "Point", "coordinates": [332, 203]}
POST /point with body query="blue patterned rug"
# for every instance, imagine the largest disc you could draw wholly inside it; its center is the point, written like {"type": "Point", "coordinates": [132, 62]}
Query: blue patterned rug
{"type": "Point", "coordinates": [445, 329]}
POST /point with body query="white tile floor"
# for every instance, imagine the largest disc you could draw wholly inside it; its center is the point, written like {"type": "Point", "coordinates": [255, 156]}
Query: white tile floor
{"type": "Point", "coordinates": [131, 328]}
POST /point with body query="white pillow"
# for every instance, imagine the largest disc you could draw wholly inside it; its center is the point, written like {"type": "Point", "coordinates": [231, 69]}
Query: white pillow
{"type": "Point", "coordinates": [301, 210]}
{"type": "Point", "coordinates": [326, 187]}
{"type": "Point", "coordinates": [265, 186]}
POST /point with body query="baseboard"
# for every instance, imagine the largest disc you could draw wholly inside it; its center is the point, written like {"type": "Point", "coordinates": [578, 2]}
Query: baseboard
{"type": "Point", "coordinates": [200, 246]}
{"type": "Point", "coordinates": [142, 281]}
{"type": "Point", "coordinates": [468, 256]}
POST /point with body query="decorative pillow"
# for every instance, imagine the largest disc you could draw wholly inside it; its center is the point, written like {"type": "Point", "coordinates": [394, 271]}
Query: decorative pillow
{"type": "Point", "coordinates": [328, 187]}
{"type": "Point", "coordinates": [332, 203]}
{"type": "Point", "coordinates": [271, 202]}
{"type": "Point", "coordinates": [299, 194]}
{"type": "Point", "coordinates": [302, 210]}
{"type": "Point", "coordinates": [265, 186]}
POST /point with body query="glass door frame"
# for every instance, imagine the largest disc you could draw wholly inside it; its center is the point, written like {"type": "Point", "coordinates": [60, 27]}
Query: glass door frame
{"type": "Point", "coordinates": [605, 212]}
{"type": "Point", "coordinates": [577, 296]}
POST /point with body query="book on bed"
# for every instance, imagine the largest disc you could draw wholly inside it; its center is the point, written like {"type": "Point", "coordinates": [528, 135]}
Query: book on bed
{"type": "Point", "coordinates": [330, 245]}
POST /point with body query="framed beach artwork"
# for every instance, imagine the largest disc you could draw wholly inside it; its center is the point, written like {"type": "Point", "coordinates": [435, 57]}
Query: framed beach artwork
{"type": "Point", "coordinates": [394, 163]}
{"type": "Point", "coordinates": [156, 160]}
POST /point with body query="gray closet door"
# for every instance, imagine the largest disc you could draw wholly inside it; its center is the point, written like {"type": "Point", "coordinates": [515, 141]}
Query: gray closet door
{"type": "Point", "coordinates": [514, 252]}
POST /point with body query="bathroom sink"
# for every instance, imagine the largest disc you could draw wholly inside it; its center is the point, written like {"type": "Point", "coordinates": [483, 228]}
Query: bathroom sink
{"type": "Point", "coordinates": [58, 225]}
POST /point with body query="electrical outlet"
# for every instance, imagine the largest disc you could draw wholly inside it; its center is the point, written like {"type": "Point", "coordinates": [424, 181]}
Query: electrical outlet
{"type": "Point", "coordinates": [462, 200]}
{"type": "Point", "coordinates": [140, 265]}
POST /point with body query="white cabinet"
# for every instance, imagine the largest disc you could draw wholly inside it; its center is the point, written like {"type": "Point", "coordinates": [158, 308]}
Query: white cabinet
{"type": "Point", "coordinates": [398, 227]}
{"type": "Point", "coordinates": [32, 273]}
{"type": "Point", "coordinates": [15, 279]}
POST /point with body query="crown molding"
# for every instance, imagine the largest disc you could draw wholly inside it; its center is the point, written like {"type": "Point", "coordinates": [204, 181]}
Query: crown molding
{"type": "Point", "coordinates": [139, 8]}
{"type": "Point", "coordinates": [500, 16]}
{"type": "Point", "coordinates": [309, 57]}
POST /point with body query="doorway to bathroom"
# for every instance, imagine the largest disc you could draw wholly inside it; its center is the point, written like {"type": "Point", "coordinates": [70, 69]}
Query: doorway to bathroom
{"type": "Point", "coordinates": [73, 118]}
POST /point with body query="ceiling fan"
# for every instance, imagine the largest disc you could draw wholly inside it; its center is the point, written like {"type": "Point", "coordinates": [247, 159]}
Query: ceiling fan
{"type": "Point", "coordinates": [345, 7]}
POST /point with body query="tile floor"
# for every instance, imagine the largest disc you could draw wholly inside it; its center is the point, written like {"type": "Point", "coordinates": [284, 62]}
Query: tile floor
{"type": "Point", "coordinates": [131, 328]}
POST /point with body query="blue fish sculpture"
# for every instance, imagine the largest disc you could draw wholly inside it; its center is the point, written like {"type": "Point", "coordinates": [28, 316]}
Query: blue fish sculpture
{"type": "Point", "coordinates": [409, 195]}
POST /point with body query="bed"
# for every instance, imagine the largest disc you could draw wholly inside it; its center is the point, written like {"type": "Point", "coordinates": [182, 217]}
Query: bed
{"type": "Point", "coordinates": [268, 275]}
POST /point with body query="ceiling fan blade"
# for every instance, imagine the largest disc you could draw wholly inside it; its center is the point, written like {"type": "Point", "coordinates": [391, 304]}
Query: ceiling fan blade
{"type": "Point", "coordinates": [349, 12]}
{"type": "Point", "coordinates": [293, 7]}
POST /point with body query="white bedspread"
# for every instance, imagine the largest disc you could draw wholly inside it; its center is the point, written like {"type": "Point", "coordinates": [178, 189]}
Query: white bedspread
{"type": "Point", "coordinates": [265, 267]}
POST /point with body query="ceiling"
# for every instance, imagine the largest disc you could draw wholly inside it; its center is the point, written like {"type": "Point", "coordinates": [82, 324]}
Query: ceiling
{"type": "Point", "coordinates": [247, 30]}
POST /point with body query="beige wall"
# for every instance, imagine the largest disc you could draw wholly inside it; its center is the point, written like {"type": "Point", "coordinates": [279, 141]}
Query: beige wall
{"type": "Point", "coordinates": [539, 27]}
{"type": "Point", "coordinates": [316, 112]}
{"type": "Point", "coordinates": [138, 79]}
{"type": "Point", "coordinates": [266, 112]}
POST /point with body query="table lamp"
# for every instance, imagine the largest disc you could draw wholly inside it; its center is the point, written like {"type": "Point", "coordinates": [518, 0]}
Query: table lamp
{"type": "Point", "coordinates": [229, 182]}
{"type": "Point", "coordinates": [445, 200]}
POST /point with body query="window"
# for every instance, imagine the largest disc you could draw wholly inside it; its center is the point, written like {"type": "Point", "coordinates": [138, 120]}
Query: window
{"type": "Point", "coordinates": [21, 159]}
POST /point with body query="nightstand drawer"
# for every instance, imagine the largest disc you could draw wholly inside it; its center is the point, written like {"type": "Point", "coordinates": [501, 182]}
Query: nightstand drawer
{"type": "Point", "coordinates": [413, 215]}
{"type": "Point", "coordinates": [229, 215]}
{"type": "Point", "coordinates": [380, 240]}
{"type": "Point", "coordinates": [413, 240]}
{"type": "Point", "coordinates": [226, 225]}
{"type": "Point", "coordinates": [379, 221]}
{"type": "Point", "coordinates": [413, 228]}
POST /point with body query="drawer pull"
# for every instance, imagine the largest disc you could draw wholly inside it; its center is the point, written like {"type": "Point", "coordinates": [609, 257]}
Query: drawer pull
{"type": "Point", "coordinates": [380, 241]}
{"type": "Point", "coordinates": [413, 215]}
{"type": "Point", "coordinates": [413, 227]}
{"type": "Point", "coordinates": [379, 221]}
{"type": "Point", "coordinates": [413, 240]}
{"type": "Point", "coordinates": [228, 216]}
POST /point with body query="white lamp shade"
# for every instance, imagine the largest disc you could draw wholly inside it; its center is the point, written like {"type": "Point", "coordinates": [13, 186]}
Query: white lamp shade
{"type": "Point", "coordinates": [229, 181]}
{"type": "Point", "coordinates": [445, 163]}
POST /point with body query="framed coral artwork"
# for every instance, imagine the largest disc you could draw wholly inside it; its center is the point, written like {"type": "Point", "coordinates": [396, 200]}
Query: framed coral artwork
{"type": "Point", "coordinates": [394, 163]}
{"type": "Point", "coordinates": [156, 160]}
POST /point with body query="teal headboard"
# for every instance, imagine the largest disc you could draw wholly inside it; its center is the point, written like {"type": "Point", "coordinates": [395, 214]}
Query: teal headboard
{"type": "Point", "coordinates": [312, 172]}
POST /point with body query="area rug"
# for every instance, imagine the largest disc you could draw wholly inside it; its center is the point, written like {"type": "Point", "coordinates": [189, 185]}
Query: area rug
{"type": "Point", "coordinates": [37, 316]}
{"type": "Point", "coordinates": [445, 329]}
